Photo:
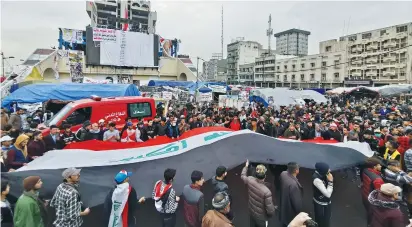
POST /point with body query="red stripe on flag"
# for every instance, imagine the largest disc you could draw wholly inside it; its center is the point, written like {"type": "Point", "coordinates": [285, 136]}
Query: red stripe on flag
{"type": "Point", "coordinates": [97, 145]}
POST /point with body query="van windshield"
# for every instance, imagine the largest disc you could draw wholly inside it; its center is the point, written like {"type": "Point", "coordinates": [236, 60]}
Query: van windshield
{"type": "Point", "coordinates": [57, 117]}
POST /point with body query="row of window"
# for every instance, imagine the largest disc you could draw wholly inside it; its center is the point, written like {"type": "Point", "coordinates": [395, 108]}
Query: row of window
{"type": "Point", "coordinates": [368, 35]}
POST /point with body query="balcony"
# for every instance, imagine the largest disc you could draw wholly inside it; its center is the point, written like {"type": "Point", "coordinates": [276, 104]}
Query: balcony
{"type": "Point", "coordinates": [389, 73]}
{"type": "Point", "coordinates": [400, 65]}
{"type": "Point", "coordinates": [390, 44]}
{"type": "Point", "coordinates": [373, 46]}
{"type": "Point", "coordinates": [337, 66]}
{"type": "Point", "coordinates": [372, 60]}
{"type": "Point", "coordinates": [356, 62]}
{"type": "Point", "coordinates": [389, 58]}
{"type": "Point", "coordinates": [356, 74]}
{"type": "Point", "coordinates": [371, 73]}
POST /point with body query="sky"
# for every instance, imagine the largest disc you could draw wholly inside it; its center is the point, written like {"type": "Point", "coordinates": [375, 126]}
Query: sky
{"type": "Point", "coordinates": [27, 25]}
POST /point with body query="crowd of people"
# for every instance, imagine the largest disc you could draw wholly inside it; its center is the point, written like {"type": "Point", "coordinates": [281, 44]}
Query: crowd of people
{"type": "Point", "coordinates": [385, 124]}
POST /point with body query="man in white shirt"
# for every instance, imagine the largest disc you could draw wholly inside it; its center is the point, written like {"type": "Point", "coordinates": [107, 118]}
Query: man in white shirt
{"type": "Point", "coordinates": [322, 191]}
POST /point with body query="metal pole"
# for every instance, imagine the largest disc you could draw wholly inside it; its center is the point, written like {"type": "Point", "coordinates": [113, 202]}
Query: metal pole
{"type": "Point", "coordinates": [2, 64]}
{"type": "Point", "coordinates": [197, 77]}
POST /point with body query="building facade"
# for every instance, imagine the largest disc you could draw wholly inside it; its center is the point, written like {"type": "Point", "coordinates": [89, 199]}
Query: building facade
{"type": "Point", "coordinates": [382, 56]}
{"type": "Point", "coordinates": [215, 69]}
{"type": "Point", "coordinates": [247, 73]}
{"type": "Point", "coordinates": [128, 15]}
{"type": "Point", "coordinates": [240, 53]}
{"type": "Point", "coordinates": [292, 42]}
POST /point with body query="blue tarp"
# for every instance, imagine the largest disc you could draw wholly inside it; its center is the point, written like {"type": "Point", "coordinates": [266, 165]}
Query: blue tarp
{"type": "Point", "coordinates": [205, 90]}
{"type": "Point", "coordinates": [170, 83]}
{"type": "Point", "coordinates": [35, 93]}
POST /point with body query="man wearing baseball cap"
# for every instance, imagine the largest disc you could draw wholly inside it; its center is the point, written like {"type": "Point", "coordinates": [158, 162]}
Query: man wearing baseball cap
{"type": "Point", "coordinates": [66, 200]}
{"type": "Point", "coordinates": [384, 210]}
{"type": "Point", "coordinates": [6, 144]}
{"type": "Point", "coordinates": [125, 196]}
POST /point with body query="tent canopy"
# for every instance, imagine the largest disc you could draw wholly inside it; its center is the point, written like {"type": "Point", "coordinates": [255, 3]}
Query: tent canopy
{"type": "Point", "coordinates": [284, 96]}
{"type": "Point", "coordinates": [170, 83]}
{"type": "Point", "coordinates": [68, 92]}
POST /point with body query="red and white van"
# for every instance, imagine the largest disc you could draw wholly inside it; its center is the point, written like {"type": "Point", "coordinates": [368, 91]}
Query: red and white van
{"type": "Point", "coordinates": [109, 109]}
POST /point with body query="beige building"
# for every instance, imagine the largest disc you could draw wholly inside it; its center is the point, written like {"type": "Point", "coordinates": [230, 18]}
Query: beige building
{"type": "Point", "coordinates": [382, 55]}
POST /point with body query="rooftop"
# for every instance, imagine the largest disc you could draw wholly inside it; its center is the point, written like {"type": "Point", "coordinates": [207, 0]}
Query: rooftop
{"type": "Point", "coordinates": [293, 30]}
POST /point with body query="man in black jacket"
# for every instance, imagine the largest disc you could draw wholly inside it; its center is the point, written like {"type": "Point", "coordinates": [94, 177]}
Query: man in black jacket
{"type": "Point", "coordinates": [122, 196]}
{"type": "Point", "coordinates": [219, 185]}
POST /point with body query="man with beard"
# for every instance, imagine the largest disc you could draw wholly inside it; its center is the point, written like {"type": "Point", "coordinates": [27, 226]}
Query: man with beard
{"type": "Point", "coordinates": [30, 210]}
{"type": "Point", "coordinates": [95, 133]}
{"type": "Point", "coordinates": [161, 128]}
{"type": "Point", "coordinates": [218, 216]}
{"type": "Point", "coordinates": [36, 147]}
{"type": "Point", "coordinates": [125, 196]}
{"type": "Point", "coordinates": [66, 200]}
{"type": "Point", "coordinates": [369, 138]}
{"type": "Point", "coordinates": [52, 140]}
{"type": "Point", "coordinates": [291, 132]}
{"type": "Point", "coordinates": [67, 137]}
{"type": "Point", "coordinates": [308, 131]}
{"type": "Point", "coordinates": [332, 133]}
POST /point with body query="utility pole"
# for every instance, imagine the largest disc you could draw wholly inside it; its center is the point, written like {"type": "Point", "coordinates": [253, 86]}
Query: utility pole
{"type": "Point", "coordinates": [221, 38]}
{"type": "Point", "coordinates": [269, 32]}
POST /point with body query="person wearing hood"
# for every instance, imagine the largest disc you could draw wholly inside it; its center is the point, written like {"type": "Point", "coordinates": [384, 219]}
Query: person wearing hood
{"type": "Point", "coordinates": [218, 217]}
{"type": "Point", "coordinates": [193, 201]}
{"type": "Point", "coordinates": [141, 132]}
{"type": "Point", "coordinates": [384, 210]}
{"type": "Point", "coordinates": [165, 198]}
{"type": "Point", "coordinates": [124, 196]}
{"type": "Point", "coordinates": [95, 133]}
{"type": "Point", "coordinates": [30, 210]}
{"type": "Point", "coordinates": [82, 132]}
{"type": "Point", "coordinates": [17, 156]}
{"type": "Point", "coordinates": [322, 191]}
{"type": "Point", "coordinates": [128, 135]}
{"type": "Point", "coordinates": [66, 200]}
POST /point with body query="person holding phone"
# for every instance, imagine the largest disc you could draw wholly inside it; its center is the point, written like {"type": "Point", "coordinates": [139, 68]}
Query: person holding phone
{"type": "Point", "coordinates": [322, 191]}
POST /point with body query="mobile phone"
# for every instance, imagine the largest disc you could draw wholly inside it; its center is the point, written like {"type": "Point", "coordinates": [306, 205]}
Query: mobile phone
{"type": "Point", "coordinates": [310, 223]}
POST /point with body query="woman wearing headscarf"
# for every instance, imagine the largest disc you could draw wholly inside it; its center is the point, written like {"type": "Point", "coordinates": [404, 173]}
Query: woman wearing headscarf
{"type": "Point", "coordinates": [17, 156]}
{"type": "Point", "coordinates": [322, 191]}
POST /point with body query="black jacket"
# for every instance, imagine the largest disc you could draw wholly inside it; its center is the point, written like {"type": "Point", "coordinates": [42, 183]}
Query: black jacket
{"type": "Point", "coordinates": [132, 200]}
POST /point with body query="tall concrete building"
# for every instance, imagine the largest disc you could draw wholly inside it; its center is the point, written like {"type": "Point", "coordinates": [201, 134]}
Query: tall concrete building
{"type": "Point", "coordinates": [127, 15]}
{"type": "Point", "coordinates": [382, 56]}
{"type": "Point", "coordinates": [240, 52]}
{"type": "Point", "coordinates": [215, 69]}
{"type": "Point", "coordinates": [292, 42]}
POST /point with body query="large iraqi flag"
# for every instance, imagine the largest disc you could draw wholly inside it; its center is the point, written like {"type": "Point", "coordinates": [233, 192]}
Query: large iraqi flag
{"type": "Point", "coordinates": [201, 149]}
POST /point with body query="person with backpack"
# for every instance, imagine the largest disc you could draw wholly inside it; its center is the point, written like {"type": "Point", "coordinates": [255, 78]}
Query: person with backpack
{"type": "Point", "coordinates": [165, 198]}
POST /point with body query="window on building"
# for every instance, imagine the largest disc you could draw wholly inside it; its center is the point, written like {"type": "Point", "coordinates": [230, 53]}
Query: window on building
{"type": "Point", "coordinates": [336, 75]}
{"type": "Point", "coordinates": [402, 28]}
{"type": "Point", "coordinates": [302, 77]}
{"type": "Point", "coordinates": [323, 76]}
{"type": "Point", "coordinates": [328, 48]}
{"type": "Point", "coordinates": [293, 66]}
{"type": "Point", "coordinates": [286, 67]}
{"type": "Point", "coordinates": [383, 32]}
{"type": "Point", "coordinates": [342, 39]}
{"type": "Point", "coordinates": [277, 77]}
{"type": "Point", "coordinates": [352, 38]}
{"type": "Point", "coordinates": [302, 65]}
{"type": "Point", "coordinates": [312, 64]}
{"type": "Point", "coordinates": [293, 77]}
{"type": "Point", "coordinates": [285, 77]}
{"type": "Point", "coordinates": [312, 76]}
{"type": "Point", "coordinates": [324, 64]}
{"type": "Point", "coordinates": [366, 35]}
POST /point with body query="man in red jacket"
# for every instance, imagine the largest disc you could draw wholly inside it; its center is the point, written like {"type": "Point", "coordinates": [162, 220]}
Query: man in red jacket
{"type": "Point", "coordinates": [384, 209]}
{"type": "Point", "coordinates": [372, 180]}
